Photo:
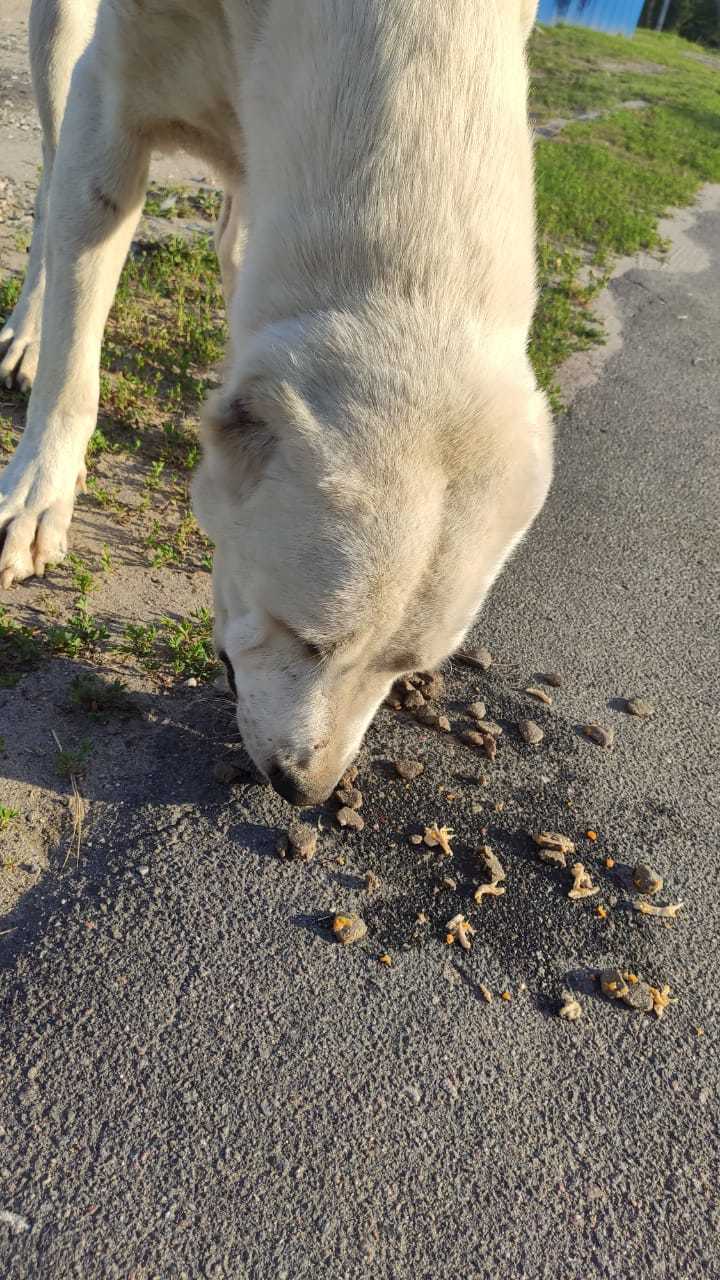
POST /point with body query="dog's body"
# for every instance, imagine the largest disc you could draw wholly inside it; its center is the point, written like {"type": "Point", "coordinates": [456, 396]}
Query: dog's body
{"type": "Point", "coordinates": [380, 446]}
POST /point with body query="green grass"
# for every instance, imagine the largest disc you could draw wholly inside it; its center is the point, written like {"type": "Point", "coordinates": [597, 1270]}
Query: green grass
{"type": "Point", "coordinates": [6, 816]}
{"type": "Point", "coordinates": [182, 648]}
{"type": "Point", "coordinates": [71, 762]}
{"type": "Point", "coordinates": [603, 185]}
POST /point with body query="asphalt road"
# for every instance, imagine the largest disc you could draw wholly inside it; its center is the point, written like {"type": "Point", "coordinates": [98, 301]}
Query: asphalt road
{"type": "Point", "coordinates": [196, 1081]}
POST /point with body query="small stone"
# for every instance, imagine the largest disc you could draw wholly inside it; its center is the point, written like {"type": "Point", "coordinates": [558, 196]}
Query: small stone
{"type": "Point", "coordinates": [14, 1221]}
{"type": "Point", "coordinates": [639, 707]}
{"type": "Point", "coordinates": [536, 692]}
{"type": "Point", "coordinates": [530, 732]}
{"type": "Point", "coordinates": [302, 841]}
{"type": "Point", "coordinates": [347, 817]}
{"type": "Point", "coordinates": [350, 797]}
{"type": "Point", "coordinates": [477, 710]}
{"type": "Point", "coordinates": [646, 879]}
{"type": "Point", "coordinates": [413, 700]}
{"type": "Point", "coordinates": [191, 683]}
{"type": "Point", "coordinates": [570, 1008]}
{"type": "Point", "coordinates": [597, 733]}
{"type": "Point", "coordinates": [349, 929]}
{"type": "Point", "coordinates": [553, 679]}
{"type": "Point", "coordinates": [613, 984]}
{"type": "Point", "coordinates": [416, 839]}
{"type": "Point", "coordinates": [480, 658]}
{"type": "Point", "coordinates": [408, 770]}
{"type": "Point", "coordinates": [143, 871]}
{"type": "Point", "coordinates": [639, 996]}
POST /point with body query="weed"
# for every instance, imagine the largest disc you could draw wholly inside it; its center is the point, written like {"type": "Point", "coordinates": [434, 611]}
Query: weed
{"type": "Point", "coordinates": [20, 651]}
{"type": "Point", "coordinates": [72, 762]}
{"type": "Point", "coordinates": [100, 700]}
{"type": "Point", "coordinates": [7, 815]}
{"type": "Point", "coordinates": [80, 635]}
{"type": "Point", "coordinates": [179, 647]}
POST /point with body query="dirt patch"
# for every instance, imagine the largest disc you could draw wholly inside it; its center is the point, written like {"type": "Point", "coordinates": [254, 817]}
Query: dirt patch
{"type": "Point", "coordinates": [632, 68]}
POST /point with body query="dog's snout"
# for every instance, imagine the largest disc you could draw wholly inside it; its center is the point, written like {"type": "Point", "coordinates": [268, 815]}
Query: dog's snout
{"type": "Point", "coordinates": [289, 786]}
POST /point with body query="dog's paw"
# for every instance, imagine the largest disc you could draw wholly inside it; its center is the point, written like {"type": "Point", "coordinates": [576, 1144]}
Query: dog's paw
{"type": "Point", "coordinates": [19, 349]}
{"type": "Point", "coordinates": [36, 508]}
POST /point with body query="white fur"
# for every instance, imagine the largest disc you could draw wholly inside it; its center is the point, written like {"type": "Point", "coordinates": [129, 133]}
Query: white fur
{"type": "Point", "coordinates": [380, 446]}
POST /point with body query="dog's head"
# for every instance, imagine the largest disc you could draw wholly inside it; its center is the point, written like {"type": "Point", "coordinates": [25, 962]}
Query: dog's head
{"type": "Point", "coordinates": [358, 523]}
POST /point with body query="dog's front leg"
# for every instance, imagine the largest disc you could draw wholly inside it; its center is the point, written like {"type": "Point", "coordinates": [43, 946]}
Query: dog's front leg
{"type": "Point", "coordinates": [97, 190]}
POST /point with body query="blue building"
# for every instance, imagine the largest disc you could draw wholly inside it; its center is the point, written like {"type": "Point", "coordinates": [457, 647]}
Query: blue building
{"type": "Point", "coordinates": [616, 17]}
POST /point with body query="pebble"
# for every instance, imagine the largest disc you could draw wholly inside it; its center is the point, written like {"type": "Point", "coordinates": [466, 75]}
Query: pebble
{"type": "Point", "coordinates": [638, 996]}
{"type": "Point", "coordinates": [14, 1221]}
{"type": "Point", "coordinates": [349, 929]}
{"type": "Point", "coordinates": [347, 817]}
{"type": "Point", "coordinates": [428, 715]}
{"type": "Point", "coordinates": [570, 1008]}
{"type": "Point", "coordinates": [530, 732]}
{"type": "Point", "coordinates": [646, 879]}
{"type": "Point", "coordinates": [639, 707]}
{"type": "Point", "coordinates": [408, 770]}
{"type": "Point", "coordinates": [597, 733]}
{"type": "Point", "coordinates": [553, 679]}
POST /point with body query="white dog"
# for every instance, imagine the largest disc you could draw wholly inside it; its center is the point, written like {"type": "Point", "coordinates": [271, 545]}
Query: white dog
{"type": "Point", "coordinates": [380, 446]}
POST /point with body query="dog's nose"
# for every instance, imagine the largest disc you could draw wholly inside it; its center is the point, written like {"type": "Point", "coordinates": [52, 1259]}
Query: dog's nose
{"type": "Point", "coordinates": [288, 786]}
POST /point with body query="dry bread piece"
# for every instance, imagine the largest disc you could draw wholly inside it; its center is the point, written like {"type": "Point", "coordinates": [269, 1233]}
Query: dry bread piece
{"type": "Point", "coordinates": [649, 908]}
{"type": "Point", "coordinates": [432, 684]}
{"type": "Point", "coordinates": [350, 797]}
{"type": "Point", "coordinates": [490, 890]}
{"type": "Point", "coordinates": [639, 707]}
{"type": "Point", "coordinates": [301, 841]}
{"type": "Point", "coordinates": [348, 929]}
{"type": "Point", "coordinates": [439, 836]}
{"type": "Point", "coordinates": [583, 886]}
{"type": "Point", "coordinates": [413, 700]}
{"type": "Point", "coordinates": [373, 883]}
{"type": "Point", "coordinates": [428, 715]}
{"type": "Point", "coordinates": [613, 984]}
{"type": "Point", "coordinates": [597, 733]}
{"type": "Point", "coordinates": [459, 930]}
{"type": "Point", "coordinates": [477, 710]}
{"type": "Point", "coordinates": [530, 732]}
{"type": "Point", "coordinates": [661, 999]}
{"type": "Point", "coordinates": [542, 696]}
{"type": "Point", "coordinates": [553, 847]}
{"type": "Point", "coordinates": [570, 1008]}
{"type": "Point", "coordinates": [347, 817]}
{"type": "Point", "coordinates": [349, 777]}
{"type": "Point", "coordinates": [408, 770]}
{"type": "Point", "coordinates": [646, 879]}
{"type": "Point", "coordinates": [490, 726]}
{"type": "Point", "coordinates": [491, 863]}
{"type": "Point", "coordinates": [479, 658]}
{"type": "Point", "coordinates": [485, 992]}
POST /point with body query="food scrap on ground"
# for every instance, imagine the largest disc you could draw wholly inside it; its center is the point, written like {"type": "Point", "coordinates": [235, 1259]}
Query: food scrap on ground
{"type": "Point", "coordinates": [601, 736]}
{"type": "Point", "coordinates": [439, 836]}
{"type": "Point", "coordinates": [634, 993]}
{"type": "Point", "coordinates": [570, 1008]}
{"type": "Point", "coordinates": [649, 908]}
{"type": "Point", "coordinates": [477, 710]}
{"type": "Point", "coordinates": [459, 930]}
{"type": "Point", "coordinates": [347, 817]}
{"type": "Point", "coordinates": [349, 797]}
{"type": "Point", "coordinates": [385, 959]}
{"type": "Point", "coordinates": [373, 883]}
{"type": "Point", "coordinates": [480, 658]}
{"type": "Point", "coordinates": [300, 842]}
{"type": "Point", "coordinates": [530, 732]}
{"type": "Point", "coordinates": [553, 847]}
{"type": "Point", "coordinates": [646, 879]}
{"type": "Point", "coordinates": [485, 992]}
{"type": "Point", "coordinates": [408, 770]}
{"type": "Point", "coordinates": [661, 999]}
{"type": "Point", "coordinates": [348, 929]}
{"type": "Point", "coordinates": [541, 694]}
{"type": "Point", "coordinates": [639, 707]}
{"type": "Point", "coordinates": [583, 886]}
